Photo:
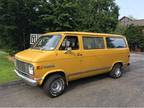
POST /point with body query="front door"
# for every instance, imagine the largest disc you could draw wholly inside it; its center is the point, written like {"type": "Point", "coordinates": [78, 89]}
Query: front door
{"type": "Point", "coordinates": [70, 57]}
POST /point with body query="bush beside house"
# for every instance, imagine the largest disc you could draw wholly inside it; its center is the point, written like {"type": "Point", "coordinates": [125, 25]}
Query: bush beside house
{"type": "Point", "coordinates": [134, 31]}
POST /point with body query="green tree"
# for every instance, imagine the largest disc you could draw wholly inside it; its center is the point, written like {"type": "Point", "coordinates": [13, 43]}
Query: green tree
{"type": "Point", "coordinates": [60, 15]}
{"type": "Point", "coordinates": [120, 29]}
{"type": "Point", "coordinates": [19, 18]}
{"type": "Point", "coordinates": [135, 37]}
{"type": "Point", "coordinates": [98, 15]}
{"type": "Point", "coordinates": [80, 15]}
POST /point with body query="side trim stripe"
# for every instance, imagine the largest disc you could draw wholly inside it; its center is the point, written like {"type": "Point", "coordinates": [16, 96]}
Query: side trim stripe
{"type": "Point", "coordinates": [90, 70]}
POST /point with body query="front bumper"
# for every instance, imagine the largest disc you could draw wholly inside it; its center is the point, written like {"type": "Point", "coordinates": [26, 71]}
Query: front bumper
{"type": "Point", "coordinates": [27, 80]}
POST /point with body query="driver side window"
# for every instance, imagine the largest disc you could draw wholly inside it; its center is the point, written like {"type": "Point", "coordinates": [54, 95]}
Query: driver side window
{"type": "Point", "coordinates": [70, 42]}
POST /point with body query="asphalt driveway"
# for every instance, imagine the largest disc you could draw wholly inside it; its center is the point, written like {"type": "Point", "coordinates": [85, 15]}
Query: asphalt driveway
{"type": "Point", "coordinates": [102, 91]}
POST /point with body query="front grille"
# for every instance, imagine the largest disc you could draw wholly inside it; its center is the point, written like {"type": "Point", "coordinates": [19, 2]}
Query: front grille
{"type": "Point", "coordinates": [22, 67]}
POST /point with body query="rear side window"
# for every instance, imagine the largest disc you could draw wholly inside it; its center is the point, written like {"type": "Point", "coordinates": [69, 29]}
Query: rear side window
{"type": "Point", "coordinates": [93, 43]}
{"type": "Point", "coordinates": [115, 42]}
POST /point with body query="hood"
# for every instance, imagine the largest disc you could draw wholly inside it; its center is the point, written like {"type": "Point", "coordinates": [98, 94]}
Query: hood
{"type": "Point", "coordinates": [32, 55]}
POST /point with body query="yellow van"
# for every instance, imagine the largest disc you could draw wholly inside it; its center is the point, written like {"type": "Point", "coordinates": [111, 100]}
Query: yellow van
{"type": "Point", "coordinates": [59, 57]}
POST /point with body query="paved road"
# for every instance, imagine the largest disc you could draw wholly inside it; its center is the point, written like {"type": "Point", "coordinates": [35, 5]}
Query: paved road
{"type": "Point", "coordinates": [101, 91]}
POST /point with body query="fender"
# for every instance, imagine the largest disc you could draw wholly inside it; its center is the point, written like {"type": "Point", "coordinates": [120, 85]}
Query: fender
{"type": "Point", "coordinates": [54, 71]}
{"type": "Point", "coordinates": [117, 62]}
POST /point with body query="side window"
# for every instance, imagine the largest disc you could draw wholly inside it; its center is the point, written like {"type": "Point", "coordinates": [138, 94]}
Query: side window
{"type": "Point", "coordinates": [93, 43]}
{"type": "Point", "coordinates": [115, 42]}
{"type": "Point", "coordinates": [70, 42]}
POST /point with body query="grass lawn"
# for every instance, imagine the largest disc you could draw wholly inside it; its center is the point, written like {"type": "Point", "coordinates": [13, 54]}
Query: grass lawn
{"type": "Point", "coordinates": [7, 73]}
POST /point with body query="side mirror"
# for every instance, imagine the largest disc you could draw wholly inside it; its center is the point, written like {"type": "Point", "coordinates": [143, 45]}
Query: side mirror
{"type": "Point", "coordinates": [68, 51]}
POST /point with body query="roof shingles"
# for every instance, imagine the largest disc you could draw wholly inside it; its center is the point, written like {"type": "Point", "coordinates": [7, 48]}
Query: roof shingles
{"type": "Point", "coordinates": [128, 21]}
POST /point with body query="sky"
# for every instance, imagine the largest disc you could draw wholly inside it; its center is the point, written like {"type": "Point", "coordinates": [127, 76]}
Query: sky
{"type": "Point", "coordinates": [134, 8]}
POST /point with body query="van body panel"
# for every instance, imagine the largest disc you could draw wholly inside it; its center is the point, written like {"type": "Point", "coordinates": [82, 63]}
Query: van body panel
{"type": "Point", "coordinates": [33, 55]}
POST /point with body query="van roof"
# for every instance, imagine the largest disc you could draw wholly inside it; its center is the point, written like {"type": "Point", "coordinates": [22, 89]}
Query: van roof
{"type": "Point", "coordinates": [81, 33]}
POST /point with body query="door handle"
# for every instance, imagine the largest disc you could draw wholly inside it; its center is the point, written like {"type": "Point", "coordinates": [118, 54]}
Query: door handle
{"type": "Point", "coordinates": [79, 54]}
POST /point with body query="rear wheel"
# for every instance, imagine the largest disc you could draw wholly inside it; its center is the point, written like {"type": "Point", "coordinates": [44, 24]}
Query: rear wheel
{"type": "Point", "coordinates": [54, 85]}
{"type": "Point", "coordinates": [117, 71]}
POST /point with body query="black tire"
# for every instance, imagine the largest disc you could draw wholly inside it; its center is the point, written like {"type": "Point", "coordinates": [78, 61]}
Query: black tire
{"type": "Point", "coordinates": [53, 90]}
{"type": "Point", "coordinates": [116, 71]}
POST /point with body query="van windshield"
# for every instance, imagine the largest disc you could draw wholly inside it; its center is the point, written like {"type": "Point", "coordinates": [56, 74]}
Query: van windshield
{"type": "Point", "coordinates": [47, 42]}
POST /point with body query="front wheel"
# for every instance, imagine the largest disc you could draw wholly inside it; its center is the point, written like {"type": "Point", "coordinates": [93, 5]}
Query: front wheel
{"type": "Point", "coordinates": [54, 85]}
{"type": "Point", "coordinates": [116, 71]}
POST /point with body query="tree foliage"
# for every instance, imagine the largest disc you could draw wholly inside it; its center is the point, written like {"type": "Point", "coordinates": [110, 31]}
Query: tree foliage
{"type": "Point", "coordinates": [98, 15]}
{"type": "Point", "coordinates": [19, 18]}
{"type": "Point", "coordinates": [120, 29]}
{"type": "Point", "coordinates": [135, 36]}
{"type": "Point", "coordinates": [60, 15]}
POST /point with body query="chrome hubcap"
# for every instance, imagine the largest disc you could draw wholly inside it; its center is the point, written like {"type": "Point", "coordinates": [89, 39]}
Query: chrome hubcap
{"type": "Point", "coordinates": [57, 86]}
{"type": "Point", "coordinates": [118, 72]}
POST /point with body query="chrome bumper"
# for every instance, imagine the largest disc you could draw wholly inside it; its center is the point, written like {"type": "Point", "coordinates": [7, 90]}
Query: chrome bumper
{"type": "Point", "coordinates": [27, 80]}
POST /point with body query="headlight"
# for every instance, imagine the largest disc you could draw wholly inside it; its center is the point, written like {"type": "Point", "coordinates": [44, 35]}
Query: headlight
{"type": "Point", "coordinates": [31, 69]}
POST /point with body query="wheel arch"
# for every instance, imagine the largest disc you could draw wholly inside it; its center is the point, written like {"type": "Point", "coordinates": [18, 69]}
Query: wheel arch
{"type": "Point", "coordinates": [48, 74]}
{"type": "Point", "coordinates": [118, 62]}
